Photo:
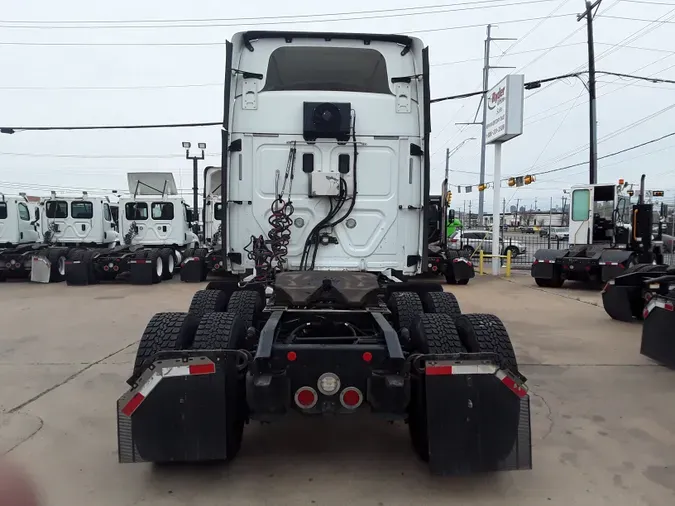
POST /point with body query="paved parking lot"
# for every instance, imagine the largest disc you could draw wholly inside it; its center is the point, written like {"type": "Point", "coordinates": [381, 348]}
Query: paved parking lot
{"type": "Point", "coordinates": [603, 415]}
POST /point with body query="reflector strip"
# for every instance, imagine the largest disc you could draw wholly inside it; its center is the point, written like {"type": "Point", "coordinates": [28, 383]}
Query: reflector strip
{"type": "Point", "coordinates": [445, 368]}
{"type": "Point", "coordinates": [519, 390]}
{"type": "Point", "coordinates": [610, 263]}
{"type": "Point", "coordinates": [143, 390]}
{"type": "Point", "coordinates": [142, 393]}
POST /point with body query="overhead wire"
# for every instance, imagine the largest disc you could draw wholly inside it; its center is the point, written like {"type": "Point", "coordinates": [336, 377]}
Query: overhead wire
{"type": "Point", "coordinates": [196, 44]}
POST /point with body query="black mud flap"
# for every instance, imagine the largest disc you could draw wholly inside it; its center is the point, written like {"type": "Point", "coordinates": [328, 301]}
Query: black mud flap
{"type": "Point", "coordinates": [461, 269]}
{"type": "Point", "coordinates": [622, 303]}
{"type": "Point", "coordinates": [77, 272]}
{"type": "Point", "coordinates": [658, 340]}
{"type": "Point", "coordinates": [478, 419]}
{"type": "Point", "coordinates": [175, 412]}
{"type": "Point", "coordinates": [193, 270]}
{"type": "Point", "coordinates": [543, 269]}
{"type": "Point", "coordinates": [141, 272]}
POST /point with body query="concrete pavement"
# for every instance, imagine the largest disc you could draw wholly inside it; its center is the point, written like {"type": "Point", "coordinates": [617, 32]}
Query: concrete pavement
{"type": "Point", "coordinates": [603, 416]}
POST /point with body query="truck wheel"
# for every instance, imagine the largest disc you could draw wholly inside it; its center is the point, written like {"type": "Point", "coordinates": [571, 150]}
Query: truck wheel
{"type": "Point", "coordinates": [164, 331]}
{"type": "Point", "coordinates": [248, 305]}
{"type": "Point", "coordinates": [544, 283]}
{"type": "Point", "coordinates": [168, 263]}
{"type": "Point", "coordinates": [226, 331]}
{"type": "Point", "coordinates": [485, 333]}
{"type": "Point", "coordinates": [441, 302]}
{"type": "Point", "coordinates": [404, 307]}
{"type": "Point", "coordinates": [155, 259]}
{"type": "Point", "coordinates": [57, 258]}
{"type": "Point", "coordinates": [208, 301]}
{"type": "Point", "coordinates": [432, 333]}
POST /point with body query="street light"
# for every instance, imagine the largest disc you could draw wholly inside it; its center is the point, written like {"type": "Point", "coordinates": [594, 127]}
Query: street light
{"type": "Point", "coordinates": [195, 180]}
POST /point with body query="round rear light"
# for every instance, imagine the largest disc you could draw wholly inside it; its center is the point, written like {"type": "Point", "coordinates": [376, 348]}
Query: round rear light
{"type": "Point", "coordinates": [351, 398]}
{"type": "Point", "coordinates": [328, 383]}
{"type": "Point", "coordinates": [306, 397]}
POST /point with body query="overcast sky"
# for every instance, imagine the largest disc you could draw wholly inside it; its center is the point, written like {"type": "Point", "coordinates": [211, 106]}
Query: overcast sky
{"type": "Point", "coordinates": [125, 75]}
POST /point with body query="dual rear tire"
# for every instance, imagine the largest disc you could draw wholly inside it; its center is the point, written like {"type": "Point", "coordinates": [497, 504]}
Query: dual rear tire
{"type": "Point", "coordinates": [436, 326]}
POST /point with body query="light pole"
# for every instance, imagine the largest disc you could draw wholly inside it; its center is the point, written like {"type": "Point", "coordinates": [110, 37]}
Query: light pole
{"type": "Point", "coordinates": [195, 180]}
{"type": "Point", "coordinates": [445, 204]}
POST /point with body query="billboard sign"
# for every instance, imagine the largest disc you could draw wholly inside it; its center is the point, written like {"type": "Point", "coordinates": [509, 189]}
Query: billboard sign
{"type": "Point", "coordinates": [504, 119]}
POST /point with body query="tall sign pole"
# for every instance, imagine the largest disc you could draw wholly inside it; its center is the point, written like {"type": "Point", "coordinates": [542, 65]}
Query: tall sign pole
{"type": "Point", "coordinates": [592, 115]}
{"type": "Point", "coordinates": [504, 121]}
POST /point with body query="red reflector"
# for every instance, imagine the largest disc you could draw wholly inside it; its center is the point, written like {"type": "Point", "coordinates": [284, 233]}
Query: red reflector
{"type": "Point", "coordinates": [668, 307]}
{"type": "Point", "coordinates": [116, 267]}
{"type": "Point", "coordinates": [520, 392]}
{"type": "Point", "coordinates": [351, 397]}
{"type": "Point", "coordinates": [453, 240]}
{"type": "Point", "coordinates": [291, 356]}
{"type": "Point", "coordinates": [133, 404]}
{"type": "Point", "coordinates": [434, 268]}
{"type": "Point", "coordinates": [439, 370]}
{"type": "Point", "coordinates": [469, 264]}
{"type": "Point", "coordinates": [645, 313]}
{"type": "Point", "coordinates": [305, 397]}
{"type": "Point", "coordinates": [202, 369]}
{"type": "Point", "coordinates": [105, 267]}
{"type": "Point", "coordinates": [367, 356]}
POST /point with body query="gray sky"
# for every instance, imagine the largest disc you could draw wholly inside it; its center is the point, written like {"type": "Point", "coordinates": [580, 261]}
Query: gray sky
{"type": "Point", "coordinates": [37, 73]}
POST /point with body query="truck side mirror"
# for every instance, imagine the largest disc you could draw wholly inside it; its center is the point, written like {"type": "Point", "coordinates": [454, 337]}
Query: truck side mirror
{"type": "Point", "coordinates": [188, 214]}
{"type": "Point", "coordinates": [451, 215]}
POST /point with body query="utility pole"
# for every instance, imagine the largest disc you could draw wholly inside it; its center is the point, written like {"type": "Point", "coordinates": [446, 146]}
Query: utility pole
{"type": "Point", "coordinates": [464, 214]}
{"type": "Point", "coordinates": [470, 214]}
{"type": "Point", "coordinates": [593, 122]}
{"type": "Point", "coordinates": [486, 84]}
{"type": "Point", "coordinates": [517, 210]}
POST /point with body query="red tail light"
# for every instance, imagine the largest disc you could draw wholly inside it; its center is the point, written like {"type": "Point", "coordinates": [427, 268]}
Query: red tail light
{"type": "Point", "coordinates": [669, 307]}
{"type": "Point", "coordinates": [453, 240]}
{"type": "Point", "coordinates": [351, 397]}
{"type": "Point", "coordinates": [306, 397]}
{"type": "Point", "coordinates": [367, 356]}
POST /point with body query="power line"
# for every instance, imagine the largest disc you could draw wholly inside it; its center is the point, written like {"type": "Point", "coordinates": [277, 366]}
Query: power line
{"type": "Point", "coordinates": [220, 84]}
{"type": "Point", "coordinates": [197, 44]}
{"type": "Point", "coordinates": [257, 18]}
{"type": "Point", "coordinates": [85, 156]}
{"type": "Point", "coordinates": [276, 20]}
{"type": "Point", "coordinates": [11, 130]}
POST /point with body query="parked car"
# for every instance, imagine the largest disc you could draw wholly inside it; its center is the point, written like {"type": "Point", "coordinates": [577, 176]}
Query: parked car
{"type": "Point", "coordinates": [470, 241]}
{"type": "Point", "coordinates": [559, 233]}
{"type": "Point", "coordinates": [527, 230]}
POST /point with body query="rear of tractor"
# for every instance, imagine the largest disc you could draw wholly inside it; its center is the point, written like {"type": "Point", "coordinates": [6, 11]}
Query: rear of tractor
{"type": "Point", "coordinates": [324, 344]}
{"type": "Point", "coordinates": [623, 297]}
{"type": "Point", "coordinates": [658, 342]}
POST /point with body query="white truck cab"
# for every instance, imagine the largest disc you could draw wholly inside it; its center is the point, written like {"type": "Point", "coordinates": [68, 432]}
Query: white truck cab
{"type": "Point", "coordinates": [77, 220]}
{"type": "Point", "coordinates": [154, 214]}
{"type": "Point", "coordinates": [338, 125]}
{"type": "Point", "coordinates": [17, 223]}
{"type": "Point", "coordinates": [213, 207]}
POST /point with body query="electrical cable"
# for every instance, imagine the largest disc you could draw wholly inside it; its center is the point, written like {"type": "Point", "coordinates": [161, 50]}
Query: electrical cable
{"type": "Point", "coordinates": [197, 44]}
{"type": "Point", "coordinates": [276, 20]}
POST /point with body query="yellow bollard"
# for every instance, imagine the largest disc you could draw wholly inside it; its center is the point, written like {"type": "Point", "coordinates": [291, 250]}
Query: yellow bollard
{"type": "Point", "coordinates": [480, 263]}
{"type": "Point", "coordinates": [508, 263]}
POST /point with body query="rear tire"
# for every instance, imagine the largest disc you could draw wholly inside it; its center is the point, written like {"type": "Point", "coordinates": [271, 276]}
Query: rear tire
{"type": "Point", "coordinates": [57, 258]}
{"type": "Point", "coordinates": [155, 259]}
{"type": "Point", "coordinates": [208, 301]}
{"type": "Point", "coordinates": [485, 333]}
{"type": "Point", "coordinates": [542, 282]}
{"type": "Point", "coordinates": [226, 331]}
{"type": "Point", "coordinates": [404, 307]}
{"type": "Point", "coordinates": [168, 263]}
{"type": "Point", "coordinates": [432, 333]}
{"type": "Point", "coordinates": [441, 302]}
{"type": "Point", "coordinates": [164, 331]}
{"type": "Point", "coordinates": [248, 305]}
